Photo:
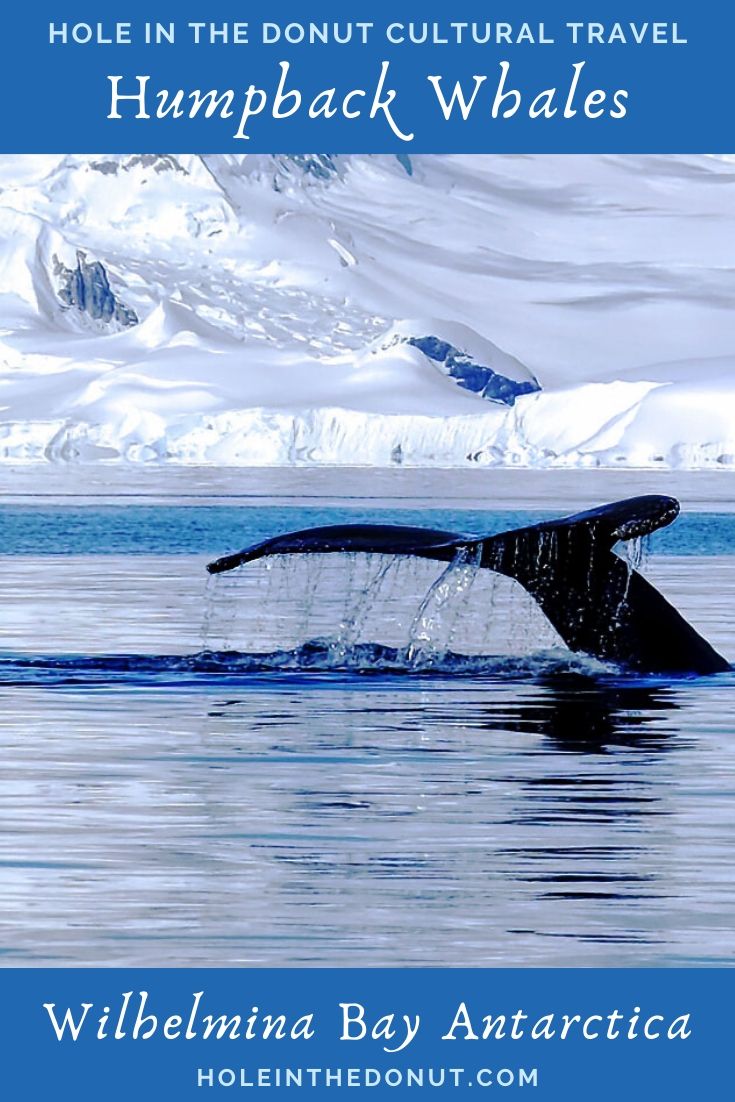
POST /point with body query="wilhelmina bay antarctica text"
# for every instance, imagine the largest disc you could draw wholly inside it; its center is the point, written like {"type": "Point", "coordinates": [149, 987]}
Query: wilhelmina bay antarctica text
{"type": "Point", "coordinates": [134, 1016]}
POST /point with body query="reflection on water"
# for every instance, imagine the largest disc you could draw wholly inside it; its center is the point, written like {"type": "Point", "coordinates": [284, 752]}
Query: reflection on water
{"type": "Point", "coordinates": [587, 714]}
{"type": "Point", "coordinates": [371, 820]}
{"type": "Point", "coordinates": [544, 812]}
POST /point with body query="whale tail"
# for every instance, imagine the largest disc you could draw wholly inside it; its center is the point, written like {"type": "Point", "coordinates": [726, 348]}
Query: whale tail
{"type": "Point", "coordinates": [597, 603]}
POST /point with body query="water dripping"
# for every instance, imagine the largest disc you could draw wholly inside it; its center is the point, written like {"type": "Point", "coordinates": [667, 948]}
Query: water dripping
{"type": "Point", "coordinates": [634, 553]}
{"type": "Point", "coordinates": [357, 613]}
{"type": "Point", "coordinates": [438, 613]}
{"type": "Point", "coordinates": [219, 617]}
{"type": "Point", "coordinates": [489, 610]}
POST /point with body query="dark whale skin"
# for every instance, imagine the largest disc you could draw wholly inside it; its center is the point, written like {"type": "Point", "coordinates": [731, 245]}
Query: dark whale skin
{"type": "Point", "coordinates": [596, 602]}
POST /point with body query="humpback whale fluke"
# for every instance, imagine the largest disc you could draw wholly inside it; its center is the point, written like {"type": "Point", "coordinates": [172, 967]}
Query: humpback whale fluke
{"type": "Point", "coordinates": [596, 602]}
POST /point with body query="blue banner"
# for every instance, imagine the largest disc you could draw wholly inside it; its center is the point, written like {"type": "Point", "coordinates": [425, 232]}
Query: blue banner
{"type": "Point", "coordinates": [550, 1034]}
{"type": "Point", "coordinates": [625, 77]}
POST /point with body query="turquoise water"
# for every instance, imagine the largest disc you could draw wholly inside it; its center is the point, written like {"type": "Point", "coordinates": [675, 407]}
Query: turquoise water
{"type": "Point", "coordinates": [163, 804]}
{"type": "Point", "coordinates": [201, 529]}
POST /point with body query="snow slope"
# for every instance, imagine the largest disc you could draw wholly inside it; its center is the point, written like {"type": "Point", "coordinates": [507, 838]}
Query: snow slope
{"type": "Point", "coordinates": [271, 296]}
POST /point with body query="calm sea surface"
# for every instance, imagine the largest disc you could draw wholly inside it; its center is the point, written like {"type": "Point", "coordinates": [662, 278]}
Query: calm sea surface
{"type": "Point", "coordinates": [229, 771]}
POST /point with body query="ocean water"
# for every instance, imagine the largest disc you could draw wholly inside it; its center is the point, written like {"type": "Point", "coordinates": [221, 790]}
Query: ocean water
{"type": "Point", "coordinates": [171, 796]}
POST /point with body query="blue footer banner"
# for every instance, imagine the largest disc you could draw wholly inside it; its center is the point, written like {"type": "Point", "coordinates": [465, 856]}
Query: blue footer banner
{"type": "Point", "coordinates": [548, 1033]}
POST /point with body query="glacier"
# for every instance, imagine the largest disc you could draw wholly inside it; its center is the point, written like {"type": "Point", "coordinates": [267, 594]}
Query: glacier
{"type": "Point", "coordinates": [445, 311]}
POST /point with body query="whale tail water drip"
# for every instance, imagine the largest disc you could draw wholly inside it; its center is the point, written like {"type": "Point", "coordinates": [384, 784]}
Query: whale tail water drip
{"type": "Point", "coordinates": [431, 631]}
{"type": "Point", "coordinates": [597, 601]}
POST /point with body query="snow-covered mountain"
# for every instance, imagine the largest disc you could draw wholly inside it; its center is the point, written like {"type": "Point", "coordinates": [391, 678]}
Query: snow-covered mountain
{"type": "Point", "coordinates": [540, 311]}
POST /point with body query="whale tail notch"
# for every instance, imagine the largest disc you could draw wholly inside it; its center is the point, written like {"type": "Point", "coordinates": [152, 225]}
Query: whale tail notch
{"type": "Point", "coordinates": [597, 602]}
